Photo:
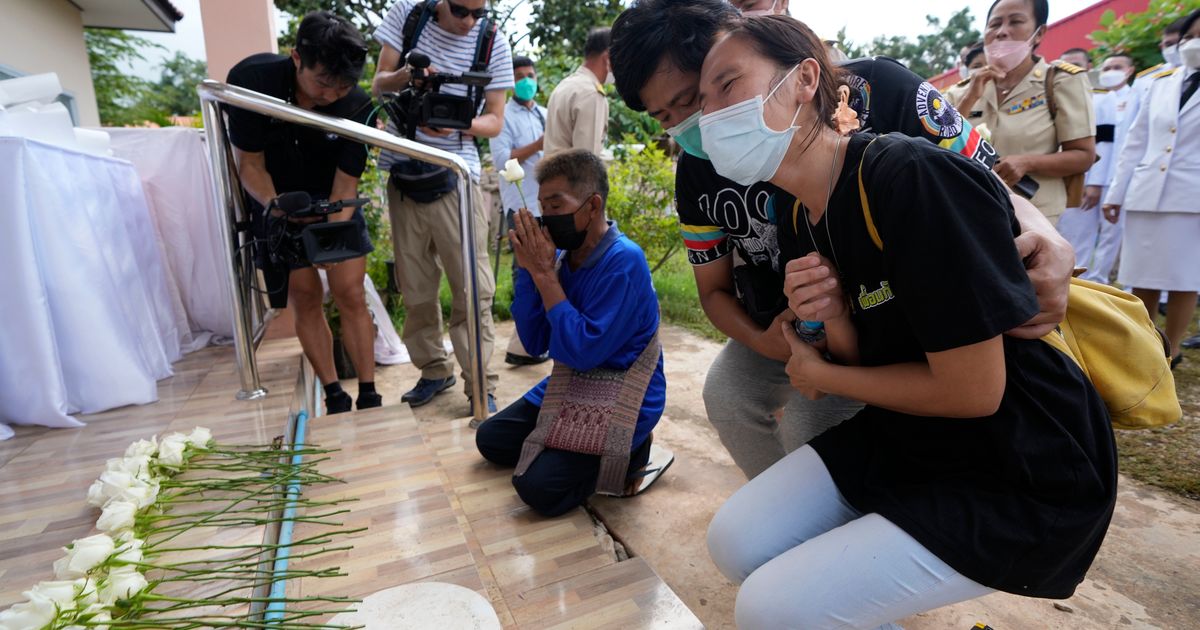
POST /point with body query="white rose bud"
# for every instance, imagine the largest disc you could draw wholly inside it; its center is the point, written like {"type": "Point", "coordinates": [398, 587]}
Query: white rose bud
{"type": "Point", "coordinates": [118, 516]}
{"type": "Point", "coordinates": [61, 592]}
{"type": "Point", "coordinates": [984, 132]}
{"type": "Point", "coordinates": [130, 552]}
{"type": "Point", "coordinates": [85, 554]}
{"type": "Point", "coordinates": [136, 466]}
{"type": "Point", "coordinates": [36, 613]}
{"type": "Point", "coordinates": [122, 583]}
{"type": "Point", "coordinates": [200, 438]}
{"type": "Point", "coordinates": [512, 171]}
{"type": "Point", "coordinates": [170, 454]}
{"type": "Point", "coordinates": [97, 495]}
{"type": "Point", "coordinates": [145, 448]}
{"type": "Point", "coordinates": [143, 494]}
{"type": "Point", "coordinates": [86, 593]}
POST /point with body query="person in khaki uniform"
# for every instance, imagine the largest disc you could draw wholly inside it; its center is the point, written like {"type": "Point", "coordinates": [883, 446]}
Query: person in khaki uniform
{"type": "Point", "coordinates": [578, 107]}
{"type": "Point", "coordinates": [1046, 134]}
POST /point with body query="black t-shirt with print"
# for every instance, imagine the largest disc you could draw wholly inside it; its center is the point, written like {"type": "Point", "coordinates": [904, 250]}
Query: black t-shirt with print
{"type": "Point", "coordinates": [298, 157]}
{"type": "Point", "coordinates": [718, 216]}
{"type": "Point", "coordinates": [1018, 501]}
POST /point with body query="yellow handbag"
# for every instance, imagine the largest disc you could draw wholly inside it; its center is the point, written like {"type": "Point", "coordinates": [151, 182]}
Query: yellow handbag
{"type": "Point", "coordinates": [1109, 334]}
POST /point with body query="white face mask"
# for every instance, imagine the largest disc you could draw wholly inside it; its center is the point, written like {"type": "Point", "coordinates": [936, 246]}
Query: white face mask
{"type": "Point", "coordinates": [1113, 79]}
{"type": "Point", "coordinates": [964, 72]}
{"type": "Point", "coordinates": [741, 145]}
{"type": "Point", "coordinates": [1171, 55]}
{"type": "Point", "coordinates": [1189, 53]}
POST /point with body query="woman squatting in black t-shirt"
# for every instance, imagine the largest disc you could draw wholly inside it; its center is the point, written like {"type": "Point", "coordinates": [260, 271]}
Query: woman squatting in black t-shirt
{"type": "Point", "coordinates": [981, 462]}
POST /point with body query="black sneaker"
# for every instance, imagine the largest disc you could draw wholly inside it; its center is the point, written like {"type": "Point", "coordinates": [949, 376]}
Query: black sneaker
{"type": "Point", "coordinates": [520, 359]}
{"type": "Point", "coordinates": [426, 389]}
{"type": "Point", "coordinates": [340, 402]}
{"type": "Point", "coordinates": [1191, 343]}
{"type": "Point", "coordinates": [369, 400]}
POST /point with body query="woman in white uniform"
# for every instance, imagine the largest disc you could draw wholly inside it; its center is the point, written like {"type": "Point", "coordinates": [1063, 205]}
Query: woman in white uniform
{"type": "Point", "coordinates": [1156, 184]}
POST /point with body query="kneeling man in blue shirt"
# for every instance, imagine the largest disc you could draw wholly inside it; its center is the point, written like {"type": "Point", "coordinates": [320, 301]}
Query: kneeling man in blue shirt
{"type": "Point", "coordinates": [582, 291]}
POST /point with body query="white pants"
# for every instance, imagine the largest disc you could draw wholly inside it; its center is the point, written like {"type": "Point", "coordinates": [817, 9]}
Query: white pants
{"type": "Point", "coordinates": [1096, 241]}
{"type": "Point", "coordinates": [806, 559]}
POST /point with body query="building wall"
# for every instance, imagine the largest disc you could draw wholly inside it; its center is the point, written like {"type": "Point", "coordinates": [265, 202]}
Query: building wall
{"type": "Point", "coordinates": [47, 36]}
{"type": "Point", "coordinates": [234, 30]}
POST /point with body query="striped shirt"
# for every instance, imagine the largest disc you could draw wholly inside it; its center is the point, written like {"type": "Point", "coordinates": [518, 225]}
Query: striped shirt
{"type": "Point", "coordinates": [448, 53]}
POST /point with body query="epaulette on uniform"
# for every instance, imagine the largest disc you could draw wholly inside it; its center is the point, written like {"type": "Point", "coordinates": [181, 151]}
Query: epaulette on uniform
{"type": "Point", "coordinates": [1150, 70]}
{"type": "Point", "coordinates": [1068, 67]}
{"type": "Point", "coordinates": [962, 83]}
{"type": "Point", "coordinates": [1164, 73]}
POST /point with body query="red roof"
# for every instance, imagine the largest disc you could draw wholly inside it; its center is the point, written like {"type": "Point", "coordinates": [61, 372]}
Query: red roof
{"type": "Point", "coordinates": [1069, 32]}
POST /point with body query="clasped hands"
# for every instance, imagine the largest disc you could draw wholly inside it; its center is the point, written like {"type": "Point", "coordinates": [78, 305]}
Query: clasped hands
{"type": "Point", "coordinates": [814, 293]}
{"type": "Point", "coordinates": [531, 244]}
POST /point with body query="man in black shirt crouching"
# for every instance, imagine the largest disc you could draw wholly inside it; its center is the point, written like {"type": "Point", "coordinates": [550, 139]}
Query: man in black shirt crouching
{"type": "Point", "coordinates": [276, 157]}
{"type": "Point", "coordinates": [658, 48]}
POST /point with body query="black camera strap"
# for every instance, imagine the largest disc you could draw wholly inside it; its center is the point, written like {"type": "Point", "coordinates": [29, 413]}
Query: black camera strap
{"type": "Point", "coordinates": [415, 23]}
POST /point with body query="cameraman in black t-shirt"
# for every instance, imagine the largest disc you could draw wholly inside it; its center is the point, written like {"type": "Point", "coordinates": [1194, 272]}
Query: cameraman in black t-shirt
{"type": "Point", "coordinates": [276, 157]}
{"type": "Point", "coordinates": [658, 48]}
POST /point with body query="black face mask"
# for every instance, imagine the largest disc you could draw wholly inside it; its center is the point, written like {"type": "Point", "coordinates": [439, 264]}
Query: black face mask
{"type": "Point", "coordinates": [562, 229]}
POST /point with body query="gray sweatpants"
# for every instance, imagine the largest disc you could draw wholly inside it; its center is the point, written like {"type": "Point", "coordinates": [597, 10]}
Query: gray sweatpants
{"type": "Point", "coordinates": [742, 392]}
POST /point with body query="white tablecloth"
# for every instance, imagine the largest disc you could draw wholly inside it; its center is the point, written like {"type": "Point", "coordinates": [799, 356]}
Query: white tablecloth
{"type": "Point", "coordinates": [86, 317]}
{"type": "Point", "coordinates": [173, 167]}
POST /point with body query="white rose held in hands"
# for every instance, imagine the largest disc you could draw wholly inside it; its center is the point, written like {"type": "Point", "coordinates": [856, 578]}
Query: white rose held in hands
{"type": "Point", "coordinates": [512, 172]}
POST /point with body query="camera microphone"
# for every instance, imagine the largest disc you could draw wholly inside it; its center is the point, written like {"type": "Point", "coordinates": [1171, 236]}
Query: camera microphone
{"type": "Point", "coordinates": [293, 202]}
{"type": "Point", "coordinates": [418, 60]}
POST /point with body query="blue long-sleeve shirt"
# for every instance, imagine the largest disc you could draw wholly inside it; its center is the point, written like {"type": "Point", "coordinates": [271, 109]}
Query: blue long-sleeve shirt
{"type": "Point", "coordinates": [610, 314]}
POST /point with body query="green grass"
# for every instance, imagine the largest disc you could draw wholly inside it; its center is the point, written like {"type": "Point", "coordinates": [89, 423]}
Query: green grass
{"type": "Point", "coordinates": [679, 301]}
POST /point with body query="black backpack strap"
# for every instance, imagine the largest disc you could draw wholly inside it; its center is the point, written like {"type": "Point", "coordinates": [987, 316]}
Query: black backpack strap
{"type": "Point", "coordinates": [483, 45]}
{"type": "Point", "coordinates": [414, 24]}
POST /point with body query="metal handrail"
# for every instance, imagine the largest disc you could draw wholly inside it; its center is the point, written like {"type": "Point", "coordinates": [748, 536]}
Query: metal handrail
{"type": "Point", "coordinates": [214, 93]}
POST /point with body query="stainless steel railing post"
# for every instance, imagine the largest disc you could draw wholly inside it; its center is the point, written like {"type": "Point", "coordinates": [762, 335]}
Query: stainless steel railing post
{"type": "Point", "coordinates": [236, 278]}
{"type": "Point", "coordinates": [466, 213]}
{"type": "Point", "coordinates": [212, 93]}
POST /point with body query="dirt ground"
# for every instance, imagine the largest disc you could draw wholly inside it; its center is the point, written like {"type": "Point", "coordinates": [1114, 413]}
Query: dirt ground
{"type": "Point", "coordinates": [1147, 574]}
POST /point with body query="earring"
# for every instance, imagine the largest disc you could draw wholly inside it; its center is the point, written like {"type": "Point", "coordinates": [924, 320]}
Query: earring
{"type": "Point", "coordinates": [845, 119]}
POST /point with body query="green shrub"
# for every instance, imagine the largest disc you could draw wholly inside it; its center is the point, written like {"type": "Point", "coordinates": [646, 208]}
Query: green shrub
{"type": "Point", "coordinates": [1138, 34]}
{"type": "Point", "coordinates": [641, 196]}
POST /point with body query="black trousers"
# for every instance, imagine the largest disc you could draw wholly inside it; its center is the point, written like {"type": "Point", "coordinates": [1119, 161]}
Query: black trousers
{"type": "Point", "coordinates": [556, 481]}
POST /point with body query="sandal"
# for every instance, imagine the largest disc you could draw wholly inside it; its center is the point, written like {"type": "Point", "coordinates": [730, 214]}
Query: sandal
{"type": "Point", "coordinates": [1176, 360]}
{"type": "Point", "coordinates": [640, 481]}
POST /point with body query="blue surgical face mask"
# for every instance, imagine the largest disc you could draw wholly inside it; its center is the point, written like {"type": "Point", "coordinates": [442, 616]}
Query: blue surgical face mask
{"type": "Point", "coordinates": [525, 89]}
{"type": "Point", "coordinates": [687, 135]}
{"type": "Point", "coordinates": [740, 144]}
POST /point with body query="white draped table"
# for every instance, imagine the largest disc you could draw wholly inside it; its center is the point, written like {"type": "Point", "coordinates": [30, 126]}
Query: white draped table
{"type": "Point", "coordinates": [87, 319]}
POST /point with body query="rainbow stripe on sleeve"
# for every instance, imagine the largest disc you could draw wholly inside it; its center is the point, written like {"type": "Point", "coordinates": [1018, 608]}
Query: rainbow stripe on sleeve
{"type": "Point", "coordinates": [702, 237]}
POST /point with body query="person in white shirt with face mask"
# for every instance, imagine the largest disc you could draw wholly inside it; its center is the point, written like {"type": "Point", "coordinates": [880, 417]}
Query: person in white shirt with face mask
{"type": "Point", "coordinates": [1156, 183]}
{"type": "Point", "coordinates": [1096, 241]}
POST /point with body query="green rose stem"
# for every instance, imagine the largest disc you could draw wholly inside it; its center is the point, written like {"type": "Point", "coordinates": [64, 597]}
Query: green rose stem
{"type": "Point", "coordinates": [523, 200]}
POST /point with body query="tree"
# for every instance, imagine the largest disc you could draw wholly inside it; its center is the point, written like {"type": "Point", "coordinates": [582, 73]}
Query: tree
{"type": "Point", "coordinates": [175, 92]}
{"type": "Point", "coordinates": [930, 54]}
{"type": "Point", "coordinates": [1138, 34]}
{"type": "Point", "coordinates": [561, 26]}
{"type": "Point", "coordinates": [120, 97]}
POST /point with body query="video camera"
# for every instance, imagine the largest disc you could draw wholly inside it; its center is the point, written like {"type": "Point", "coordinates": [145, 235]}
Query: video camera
{"type": "Point", "coordinates": [422, 104]}
{"type": "Point", "coordinates": [296, 243]}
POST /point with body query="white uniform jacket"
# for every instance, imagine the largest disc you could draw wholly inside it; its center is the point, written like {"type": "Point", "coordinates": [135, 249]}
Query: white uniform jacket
{"type": "Point", "coordinates": [1159, 167]}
